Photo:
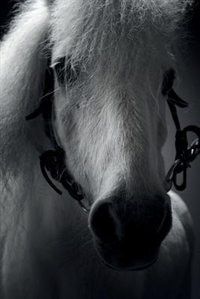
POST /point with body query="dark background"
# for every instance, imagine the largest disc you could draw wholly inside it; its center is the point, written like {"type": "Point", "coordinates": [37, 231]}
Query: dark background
{"type": "Point", "coordinates": [5, 14]}
{"type": "Point", "coordinates": [189, 88]}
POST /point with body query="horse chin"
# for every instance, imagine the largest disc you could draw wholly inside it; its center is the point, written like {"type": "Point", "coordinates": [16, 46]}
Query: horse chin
{"type": "Point", "coordinates": [124, 259]}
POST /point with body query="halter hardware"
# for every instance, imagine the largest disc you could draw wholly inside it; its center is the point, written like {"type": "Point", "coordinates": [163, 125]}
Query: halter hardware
{"type": "Point", "coordinates": [52, 162]}
{"type": "Point", "coordinates": [185, 154]}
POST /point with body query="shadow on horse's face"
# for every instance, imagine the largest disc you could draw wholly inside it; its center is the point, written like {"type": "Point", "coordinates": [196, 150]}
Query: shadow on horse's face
{"type": "Point", "coordinates": [112, 134]}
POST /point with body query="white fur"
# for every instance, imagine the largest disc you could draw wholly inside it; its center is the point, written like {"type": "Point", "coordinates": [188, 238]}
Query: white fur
{"type": "Point", "coordinates": [116, 135]}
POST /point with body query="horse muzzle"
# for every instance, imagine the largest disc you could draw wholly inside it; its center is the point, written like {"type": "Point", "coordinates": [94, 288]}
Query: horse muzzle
{"type": "Point", "coordinates": [126, 258]}
{"type": "Point", "coordinates": [129, 237]}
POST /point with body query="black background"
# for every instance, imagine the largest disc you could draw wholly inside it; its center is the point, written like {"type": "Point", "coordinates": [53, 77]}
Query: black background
{"type": "Point", "coordinates": [189, 89]}
{"type": "Point", "coordinates": [5, 13]}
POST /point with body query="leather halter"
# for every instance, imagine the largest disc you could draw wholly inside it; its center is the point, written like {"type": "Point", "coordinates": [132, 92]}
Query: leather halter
{"type": "Point", "coordinates": [53, 161]}
{"type": "Point", "coordinates": [53, 165]}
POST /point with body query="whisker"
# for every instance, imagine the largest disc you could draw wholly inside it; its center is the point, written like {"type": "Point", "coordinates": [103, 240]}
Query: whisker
{"type": "Point", "coordinates": [49, 93]}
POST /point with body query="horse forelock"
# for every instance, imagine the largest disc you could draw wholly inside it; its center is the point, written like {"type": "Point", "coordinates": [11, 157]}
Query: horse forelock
{"type": "Point", "coordinates": [108, 30]}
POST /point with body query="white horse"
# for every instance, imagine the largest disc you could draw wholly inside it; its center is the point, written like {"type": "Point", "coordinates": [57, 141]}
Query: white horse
{"type": "Point", "coordinates": [109, 58]}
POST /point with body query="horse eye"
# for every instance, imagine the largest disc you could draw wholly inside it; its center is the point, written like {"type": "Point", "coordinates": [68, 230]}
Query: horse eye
{"type": "Point", "coordinates": [168, 81]}
{"type": "Point", "coordinates": [60, 70]}
{"type": "Point", "coordinates": [66, 73]}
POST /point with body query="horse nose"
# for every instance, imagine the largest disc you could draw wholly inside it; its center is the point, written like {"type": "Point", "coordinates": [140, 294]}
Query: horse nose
{"type": "Point", "coordinates": [127, 233]}
{"type": "Point", "coordinates": [135, 222]}
{"type": "Point", "coordinates": [105, 223]}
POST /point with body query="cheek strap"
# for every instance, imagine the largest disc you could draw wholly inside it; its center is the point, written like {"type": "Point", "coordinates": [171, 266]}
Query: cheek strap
{"type": "Point", "coordinates": [52, 162]}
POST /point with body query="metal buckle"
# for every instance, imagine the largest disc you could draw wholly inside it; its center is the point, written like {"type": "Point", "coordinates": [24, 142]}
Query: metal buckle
{"type": "Point", "coordinates": [184, 156]}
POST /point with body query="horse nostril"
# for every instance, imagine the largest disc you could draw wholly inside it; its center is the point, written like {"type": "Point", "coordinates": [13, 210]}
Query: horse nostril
{"type": "Point", "coordinates": [103, 223]}
{"type": "Point", "coordinates": [144, 222]}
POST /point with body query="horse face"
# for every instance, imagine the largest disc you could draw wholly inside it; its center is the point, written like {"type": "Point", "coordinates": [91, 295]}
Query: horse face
{"type": "Point", "coordinates": [110, 122]}
{"type": "Point", "coordinates": [112, 139]}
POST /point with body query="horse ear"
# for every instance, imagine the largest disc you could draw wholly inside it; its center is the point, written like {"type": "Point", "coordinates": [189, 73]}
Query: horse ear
{"type": "Point", "coordinates": [22, 69]}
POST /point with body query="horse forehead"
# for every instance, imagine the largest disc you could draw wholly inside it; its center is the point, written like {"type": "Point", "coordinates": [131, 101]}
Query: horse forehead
{"type": "Point", "coordinates": [102, 92]}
